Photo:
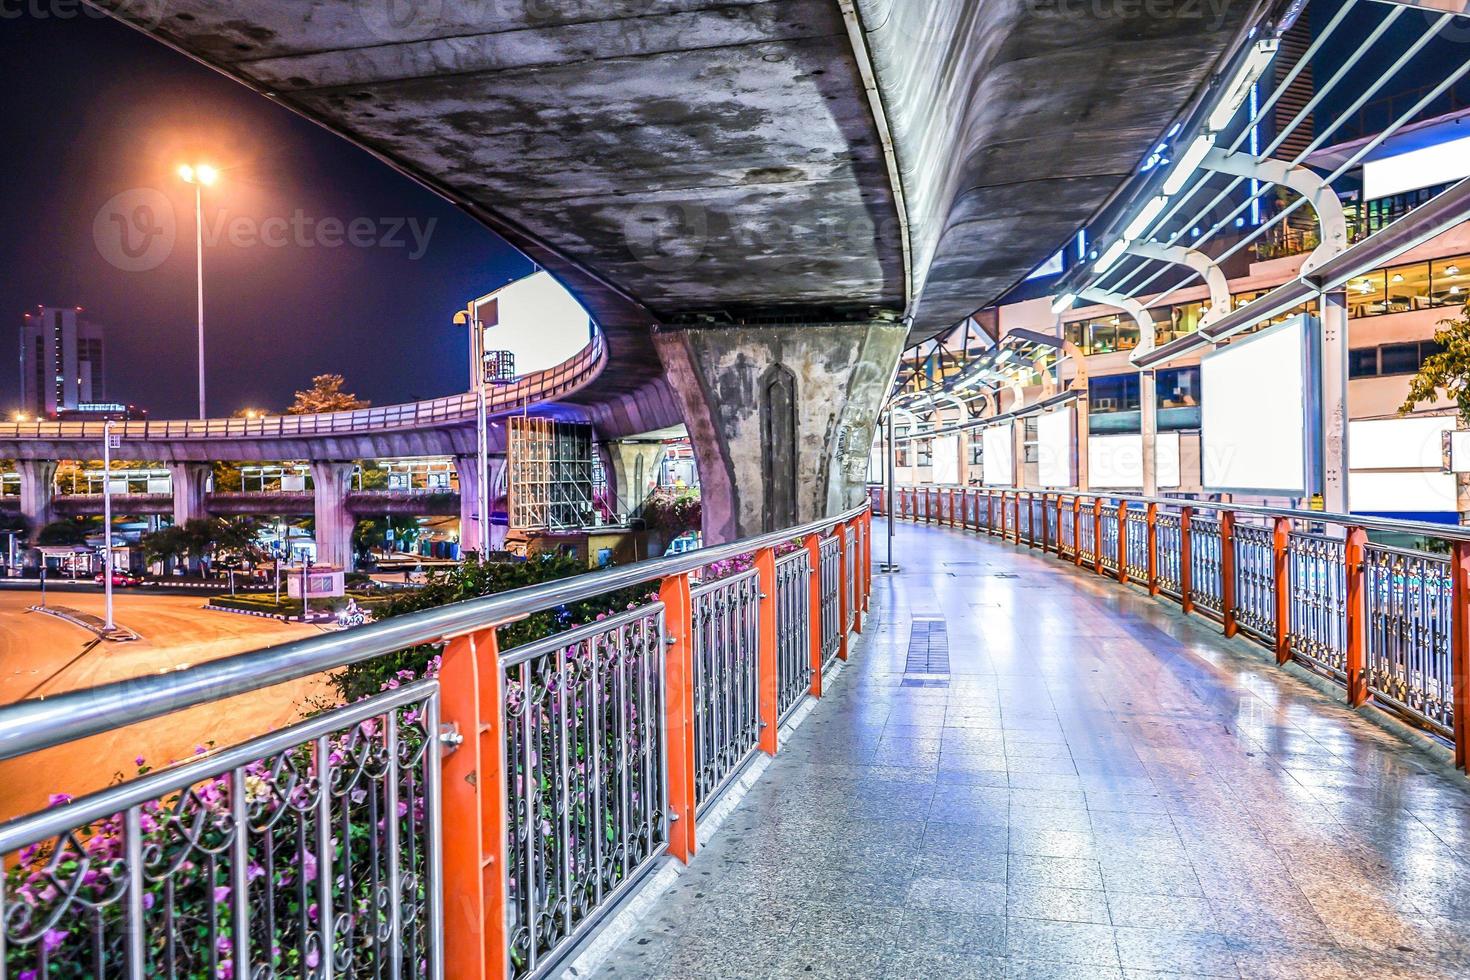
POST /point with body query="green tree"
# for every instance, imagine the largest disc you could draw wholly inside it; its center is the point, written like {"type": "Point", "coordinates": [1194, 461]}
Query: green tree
{"type": "Point", "coordinates": [325, 395]}
{"type": "Point", "coordinates": [62, 534]}
{"type": "Point", "coordinates": [1447, 371]}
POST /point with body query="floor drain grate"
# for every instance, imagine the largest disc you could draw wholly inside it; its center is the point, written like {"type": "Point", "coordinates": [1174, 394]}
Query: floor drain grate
{"type": "Point", "coordinates": [927, 664]}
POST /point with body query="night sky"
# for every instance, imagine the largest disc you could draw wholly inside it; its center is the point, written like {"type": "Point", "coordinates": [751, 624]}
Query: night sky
{"type": "Point", "coordinates": [92, 109]}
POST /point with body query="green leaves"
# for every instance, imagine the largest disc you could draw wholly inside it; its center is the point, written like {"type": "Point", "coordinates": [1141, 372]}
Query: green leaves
{"type": "Point", "coordinates": [1447, 371]}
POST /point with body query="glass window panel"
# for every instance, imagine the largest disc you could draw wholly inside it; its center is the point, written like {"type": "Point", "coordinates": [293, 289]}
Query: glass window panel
{"type": "Point", "coordinates": [1177, 388]}
{"type": "Point", "coordinates": [1399, 358]}
{"type": "Point", "coordinates": [1367, 295]}
{"type": "Point", "coordinates": [1408, 288]}
{"type": "Point", "coordinates": [1450, 281]}
{"type": "Point", "coordinates": [1363, 362]}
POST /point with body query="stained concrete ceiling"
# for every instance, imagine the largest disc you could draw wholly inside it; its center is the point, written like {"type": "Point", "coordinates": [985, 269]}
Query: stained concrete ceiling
{"type": "Point", "coordinates": [669, 159]}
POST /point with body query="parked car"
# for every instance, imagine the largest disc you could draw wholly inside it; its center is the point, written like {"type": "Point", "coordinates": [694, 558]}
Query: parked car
{"type": "Point", "coordinates": [120, 578]}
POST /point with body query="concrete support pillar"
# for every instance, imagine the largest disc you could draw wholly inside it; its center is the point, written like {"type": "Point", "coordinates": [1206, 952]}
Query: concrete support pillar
{"type": "Point", "coordinates": [634, 472]}
{"type": "Point", "coordinates": [780, 418]}
{"type": "Point", "coordinates": [190, 485]}
{"type": "Point", "coordinates": [36, 491]}
{"type": "Point", "coordinates": [334, 522]}
{"type": "Point", "coordinates": [469, 485]}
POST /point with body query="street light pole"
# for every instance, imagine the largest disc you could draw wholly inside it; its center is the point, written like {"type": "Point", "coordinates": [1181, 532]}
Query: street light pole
{"type": "Point", "coordinates": [199, 281]}
{"type": "Point", "coordinates": [107, 523]}
{"type": "Point", "coordinates": [482, 434]}
{"type": "Point", "coordinates": [199, 176]}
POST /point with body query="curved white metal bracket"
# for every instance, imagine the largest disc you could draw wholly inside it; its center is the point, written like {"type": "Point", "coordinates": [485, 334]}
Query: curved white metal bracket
{"type": "Point", "coordinates": [1331, 224]}
{"type": "Point", "coordinates": [1131, 306]}
{"type": "Point", "coordinates": [1201, 263]}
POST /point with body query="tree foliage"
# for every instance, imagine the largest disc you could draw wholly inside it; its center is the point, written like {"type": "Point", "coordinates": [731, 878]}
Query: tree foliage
{"type": "Point", "coordinates": [214, 538]}
{"type": "Point", "coordinates": [1447, 371]}
{"type": "Point", "coordinates": [325, 395]}
{"type": "Point", "coordinates": [471, 579]}
{"type": "Point", "coordinates": [673, 511]}
{"type": "Point", "coordinates": [62, 534]}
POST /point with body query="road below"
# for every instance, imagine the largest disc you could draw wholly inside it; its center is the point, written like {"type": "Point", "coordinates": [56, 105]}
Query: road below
{"type": "Point", "coordinates": [42, 656]}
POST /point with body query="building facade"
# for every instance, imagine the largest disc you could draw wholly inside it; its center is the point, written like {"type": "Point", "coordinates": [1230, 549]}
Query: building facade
{"type": "Point", "coordinates": [62, 362]}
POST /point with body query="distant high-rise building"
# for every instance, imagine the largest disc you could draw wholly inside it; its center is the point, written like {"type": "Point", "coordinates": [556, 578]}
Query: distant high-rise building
{"type": "Point", "coordinates": [62, 364]}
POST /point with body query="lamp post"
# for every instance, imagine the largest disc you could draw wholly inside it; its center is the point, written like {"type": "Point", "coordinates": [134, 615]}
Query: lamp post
{"type": "Point", "coordinates": [470, 317]}
{"type": "Point", "coordinates": [107, 447]}
{"type": "Point", "coordinates": [201, 176]}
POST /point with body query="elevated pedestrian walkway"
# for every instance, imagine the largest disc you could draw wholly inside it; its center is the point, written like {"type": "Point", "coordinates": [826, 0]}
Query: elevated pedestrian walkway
{"type": "Point", "coordinates": [1027, 770]}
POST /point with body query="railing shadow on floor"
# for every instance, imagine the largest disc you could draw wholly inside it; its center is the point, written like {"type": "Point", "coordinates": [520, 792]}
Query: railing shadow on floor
{"type": "Point", "coordinates": [473, 823]}
{"type": "Point", "coordinates": [1390, 625]}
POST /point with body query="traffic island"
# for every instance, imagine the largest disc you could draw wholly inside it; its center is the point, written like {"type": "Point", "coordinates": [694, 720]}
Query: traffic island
{"type": "Point", "coordinates": [92, 624]}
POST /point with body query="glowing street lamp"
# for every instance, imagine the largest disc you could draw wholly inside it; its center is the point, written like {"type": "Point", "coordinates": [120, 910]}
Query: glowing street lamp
{"type": "Point", "coordinates": [201, 176]}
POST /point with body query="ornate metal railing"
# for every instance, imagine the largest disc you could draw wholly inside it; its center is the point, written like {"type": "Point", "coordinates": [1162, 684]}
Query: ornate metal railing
{"type": "Point", "coordinates": [1317, 590]}
{"type": "Point", "coordinates": [1108, 522]}
{"type": "Point", "coordinates": [1410, 620]}
{"type": "Point", "coordinates": [477, 821]}
{"type": "Point", "coordinates": [726, 680]}
{"type": "Point", "coordinates": [1206, 565]}
{"type": "Point", "coordinates": [1166, 554]}
{"type": "Point", "coordinates": [1255, 580]}
{"type": "Point", "coordinates": [793, 629]}
{"type": "Point", "coordinates": [1087, 529]}
{"type": "Point", "coordinates": [554, 382]}
{"type": "Point", "coordinates": [830, 556]}
{"type": "Point", "coordinates": [310, 851]}
{"type": "Point", "coordinates": [585, 775]}
{"type": "Point", "coordinates": [1390, 624]}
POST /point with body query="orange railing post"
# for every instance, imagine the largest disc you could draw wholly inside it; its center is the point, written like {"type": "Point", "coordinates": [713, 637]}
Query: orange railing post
{"type": "Point", "coordinates": [856, 528]}
{"type": "Point", "coordinates": [867, 560]}
{"type": "Point", "coordinates": [1123, 542]}
{"type": "Point", "coordinates": [475, 811]}
{"type": "Point", "coordinates": [1077, 531]}
{"type": "Point", "coordinates": [673, 592]}
{"type": "Point", "coordinates": [1460, 649]}
{"type": "Point", "coordinates": [1357, 632]}
{"type": "Point", "coordinates": [1151, 545]}
{"type": "Point", "coordinates": [989, 512]}
{"type": "Point", "coordinates": [767, 669]}
{"type": "Point", "coordinates": [951, 506]}
{"type": "Point", "coordinates": [1016, 516]}
{"type": "Point", "coordinates": [1097, 565]}
{"type": "Point", "coordinates": [1227, 571]}
{"type": "Point", "coordinates": [844, 615]}
{"type": "Point", "coordinates": [813, 545]}
{"type": "Point", "coordinates": [1186, 557]}
{"type": "Point", "coordinates": [1281, 584]}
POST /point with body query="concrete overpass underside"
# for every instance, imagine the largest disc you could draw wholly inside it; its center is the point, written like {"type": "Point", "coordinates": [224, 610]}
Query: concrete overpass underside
{"type": "Point", "coordinates": [761, 166]}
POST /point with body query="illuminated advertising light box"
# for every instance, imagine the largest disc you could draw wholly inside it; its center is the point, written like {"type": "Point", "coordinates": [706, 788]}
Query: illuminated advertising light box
{"type": "Point", "coordinates": [1259, 430]}
{"type": "Point", "coordinates": [999, 455]}
{"type": "Point", "coordinates": [1054, 449]}
{"type": "Point", "coordinates": [1115, 462]}
{"type": "Point", "coordinates": [1389, 492]}
{"type": "Point", "coordinates": [945, 452]}
{"type": "Point", "coordinates": [1427, 166]}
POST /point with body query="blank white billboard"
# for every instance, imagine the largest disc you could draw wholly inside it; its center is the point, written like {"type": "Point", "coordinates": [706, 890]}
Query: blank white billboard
{"type": "Point", "coordinates": [1115, 462]}
{"type": "Point", "coordinates": [946, 456]}
{"type": "Point", "coordinates": [1398, 444]}
{"type": "Point", "coordinates": [1256, 411]}
{"type": "Point", "coordinates": [997, 444]}
{"type": "Point", "coordinates": [1054, 449]}
{"type": "Point", "coordinates": [1424, 167]}
{"type": "Point", "coordinates": [1379, 492]}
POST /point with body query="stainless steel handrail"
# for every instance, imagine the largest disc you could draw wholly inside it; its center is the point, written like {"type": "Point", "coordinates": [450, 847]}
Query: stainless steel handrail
{"type": "Point", "coordinates": [1449, 532]}
{"type": "Point", "coordinates": [40, 723]}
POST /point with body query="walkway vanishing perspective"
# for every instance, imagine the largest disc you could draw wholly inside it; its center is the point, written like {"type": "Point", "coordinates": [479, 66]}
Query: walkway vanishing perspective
{"type": "Point", "coordinates": [1029, 771]}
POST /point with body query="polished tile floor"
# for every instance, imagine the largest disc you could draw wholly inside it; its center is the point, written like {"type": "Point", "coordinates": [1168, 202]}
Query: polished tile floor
{"type": "Point", "coordinates": [1104, 789]}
